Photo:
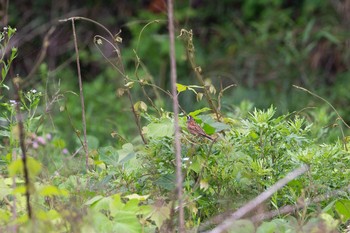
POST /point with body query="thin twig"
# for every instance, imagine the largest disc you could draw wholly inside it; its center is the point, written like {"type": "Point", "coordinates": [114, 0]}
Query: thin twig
{"type": "Point", "coordinates": [335, 110]}
{"type": "Point", "coordinates": [173, 76]}
{"type": "Point", "coordinates": [190, 50]}
{"type": "Point", "coordinates": [85, 145]}
{"type": "Point", "coordinates": [225, 225]}
{"type": "Point", "coordinates": [121, 70]}
{"type": "Point", "coordinates": [20, 124]}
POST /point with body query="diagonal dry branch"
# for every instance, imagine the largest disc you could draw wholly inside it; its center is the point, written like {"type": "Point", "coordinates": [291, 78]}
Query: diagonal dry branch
{"type": "Point", "coordinates": [225, 225]}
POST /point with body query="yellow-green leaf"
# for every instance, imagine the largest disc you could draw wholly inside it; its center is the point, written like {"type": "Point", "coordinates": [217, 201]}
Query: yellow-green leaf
{"type": "Point", "coordinates": [180, 87]}
{"type": "Point", "coordinates": [50, 190]}
{"type": "Point", "coordinates": [138, 197]}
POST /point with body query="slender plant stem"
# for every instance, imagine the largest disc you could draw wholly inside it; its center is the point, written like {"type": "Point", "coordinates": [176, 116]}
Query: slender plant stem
{"type": "Point", "coordinates": [16, 82]}
{"type": "Point", "coordinates": [85, 144]}
{"type": "Point", "coordinates": [121, 70]}
{"type": "Point", "coordinates": [173, 77]}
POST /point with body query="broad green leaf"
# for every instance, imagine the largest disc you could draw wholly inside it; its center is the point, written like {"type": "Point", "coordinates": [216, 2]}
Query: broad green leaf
{"type": "Point", "coordinates": [116, 204]}
{"type": "Point", "coordinates": [343, 209]}
{"type": "Point", "coordinates": [126, 223]}
{"type": "Point", "coordinates": [164, 128]}
{"type": "Point", "coordinates": [92, 141]}
{"type": "Point", "coordinates": [166, 181]}
{"type": "Point", "coordinates": [109, 155]}
{"type": "Point", "coordinates": [267, 227]}
{"type": "Point", "coordinates": [132, 206]}
{"type": "Point", "coordinates": [219, 126]}
{"type": "Point", "coordinates": [102, 223]}
{"type": "Point", "coordinates": [126, 153]}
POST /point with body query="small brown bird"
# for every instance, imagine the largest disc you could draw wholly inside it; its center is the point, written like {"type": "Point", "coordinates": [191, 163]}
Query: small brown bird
{"type": "Point", "coordinates": [195, 129]}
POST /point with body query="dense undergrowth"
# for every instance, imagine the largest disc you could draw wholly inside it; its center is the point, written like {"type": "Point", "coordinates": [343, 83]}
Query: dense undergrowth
{"type": "Point", "coordinates": [128, 185]}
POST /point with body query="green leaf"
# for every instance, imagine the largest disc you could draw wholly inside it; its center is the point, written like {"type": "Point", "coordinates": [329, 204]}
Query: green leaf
{"type": "Point", "coordinates": [242, 226]}
{"type": "Point", "coordinates": [126, 153]}
{"type": "Point", "coordinates": [267, 227]}
{"type": "Point", "coordinates": [164, 128]}
{"type": "Point", "coordinates": [5, 133]}
{"type": "Point", "coordinates": [137, 197]}
{"type": "Point", "coordinates": [47, 215]}
{"type": "Point", "coordinates": [160, 213]}
{"type": "Point", "coordinates": [180, 88]}
{"type": "Point", "coordinates": [16, 167]}
{"type": "Point", "coordinates": [102, 223]}
{"type": "Point", "coordinates": [93, 142]}
{"type": "Point", "coordinates": [109, 155]}
{"type": "Point", "coordinates": [4, 189]}
{"type": "Point", "coordinates": [4, 216]}
{"type": "Point", "coordinates": [50, 190]}
{"type": "Point", "coordinates": [166, 181]}
{"type": "Point", "coordinates": [219, 126]}
{"type": "Point", "coordinates": [93, 200]}
{"type": "Point", "coordinates": [126, 223]}
{"type": "Point", "coordinates": [196, 164]}
{"type": "Point", "coordinates": [199, 111]}
{"type": "Point", "coordinates": [343, 209]}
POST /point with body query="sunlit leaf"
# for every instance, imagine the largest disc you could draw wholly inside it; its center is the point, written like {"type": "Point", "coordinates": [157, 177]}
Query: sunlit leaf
{"type": "Point", "coordinates": [180, 88]}
{"type": "Point", "coordinates": [50, 190]}
{"type": "Point", "coordinates": [342, 207]}
{"type": "Point", "coordinates": [93, 200]}
{"type": "Point", "coordinates": [138, 197]}
{"type": "Point", "coordinates": [16, 167]}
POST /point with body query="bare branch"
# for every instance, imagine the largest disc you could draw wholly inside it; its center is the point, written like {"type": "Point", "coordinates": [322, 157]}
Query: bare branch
{"type": "Point", "coordinates": [85, 145]}
{"type": "Point", "coordinates": [176, 115]}
{"type": "Point", "coordinates": [225, 225]}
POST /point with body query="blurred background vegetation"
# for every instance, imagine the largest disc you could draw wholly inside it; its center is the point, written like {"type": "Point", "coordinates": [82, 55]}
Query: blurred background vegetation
{"type": "Point", "coordinates": [262, 46]}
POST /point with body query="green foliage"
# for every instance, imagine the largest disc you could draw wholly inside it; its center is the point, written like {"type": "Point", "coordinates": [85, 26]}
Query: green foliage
{"type": "Point", "coordinates": [130, 186]}
{"type": "Point", "coordinates": [5, 64]}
